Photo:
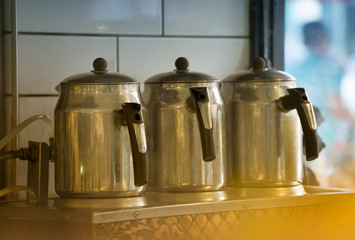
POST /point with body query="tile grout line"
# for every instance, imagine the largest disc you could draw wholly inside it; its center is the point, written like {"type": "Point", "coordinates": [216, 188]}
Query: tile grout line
{"type": "Point", "coordinates": [163, 18]}
{"type": "Point", "coordinates": [118, 54]}
{"type": "Point", "coordinates": [33, 95]}
{"type": "Point", "coordinates": [23, 95]}
{"type": "Point", "coordinates": [133, 35]}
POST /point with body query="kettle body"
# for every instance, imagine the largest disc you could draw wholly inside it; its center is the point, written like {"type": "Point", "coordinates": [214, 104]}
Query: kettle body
{"type": "Point", "coordinates": [100, 151]}
{"type": "Point", "coordinates": [185, 132]}
{"type": "Point", "coordinates": [264, 140]}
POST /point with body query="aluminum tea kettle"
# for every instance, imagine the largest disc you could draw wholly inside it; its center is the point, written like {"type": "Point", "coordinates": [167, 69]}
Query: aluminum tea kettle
{"type": "Point", "coordinates": [264, 137]}
{"type": "Point", "coordinates": [100, 136]}
{"type": "Point", "coordinates": [185, 130]}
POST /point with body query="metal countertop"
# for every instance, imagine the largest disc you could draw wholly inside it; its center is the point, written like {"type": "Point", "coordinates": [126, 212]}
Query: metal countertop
{"type": "Point", "coordinates": [154, 204]}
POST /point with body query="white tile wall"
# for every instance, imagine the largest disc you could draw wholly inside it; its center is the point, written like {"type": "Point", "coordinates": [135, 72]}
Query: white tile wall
{"type": "Point", "coordinates": [207, 17]}
{"type": "Point", "coordinates": [44, 61]}
{"type": "Point", "coordinates": [143, 57]}
{"type": "Point", "coordinates": [37, 131]}
{"type": "Point", "coordinates": [90, 16]}
{"type": "Point", "coordinates": [31, 106]}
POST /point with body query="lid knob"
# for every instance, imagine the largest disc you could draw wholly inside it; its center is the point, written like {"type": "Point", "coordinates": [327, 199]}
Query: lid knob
{"type": "Point", "coordinates": [100, 65]}
{"type": "Point", "coordinates": [259, 63]}
{"type": "Point", "coordinates": [181, 63]}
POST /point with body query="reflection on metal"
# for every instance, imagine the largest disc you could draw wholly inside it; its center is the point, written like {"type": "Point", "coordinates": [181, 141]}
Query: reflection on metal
{"type": "Point", "coordinates": [139, 131]}
{"type": "Point", "coordinates": [37, 171]}
{"type": "Point", "coordinates": [206, 114]}
{"type": "Point", "coordinates": [94, 154]}
{"type": "Point", "coordinates": [264, 143]}
{"type": "Point", "coordinates": [187, 197]}
{"type": "Point", "coordinates": [269, 191]}
{"type": "Point", "coordinates": [308, 109]}
{"type": "Point", "coordinates": [100, 203]}
{"type": "Point", "coordinates": [175, 143]}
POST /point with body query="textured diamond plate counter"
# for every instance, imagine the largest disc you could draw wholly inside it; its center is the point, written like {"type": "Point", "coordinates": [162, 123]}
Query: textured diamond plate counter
{"type": "Point", "coordinates": [320, 213]}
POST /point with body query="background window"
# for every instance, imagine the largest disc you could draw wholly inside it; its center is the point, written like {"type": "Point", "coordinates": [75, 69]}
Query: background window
{"type": "Point", "coordinates": [320, 53]}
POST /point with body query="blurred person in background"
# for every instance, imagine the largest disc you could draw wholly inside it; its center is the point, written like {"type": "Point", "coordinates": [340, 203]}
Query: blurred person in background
{"type": "Point", "coordinates": [344, 176]}
{"type": "Point", "coordinates": [321, 75]}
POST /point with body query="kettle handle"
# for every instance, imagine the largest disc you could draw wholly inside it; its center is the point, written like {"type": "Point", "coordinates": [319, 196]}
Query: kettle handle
{"type": "Point", "coordinates": [202, 106]}
{"type": "Point", "coordinates": [297, 99]}
{"type": "Point", "coordinates": [135, 124]}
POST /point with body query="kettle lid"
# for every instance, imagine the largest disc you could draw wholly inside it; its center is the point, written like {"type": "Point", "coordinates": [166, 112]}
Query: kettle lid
{"type": "Point", "coordinates": [259, 73]}
{"type": "Point", "coordinates": [100, 75]}
{"type": "Point", "coordinates": [181, 75]}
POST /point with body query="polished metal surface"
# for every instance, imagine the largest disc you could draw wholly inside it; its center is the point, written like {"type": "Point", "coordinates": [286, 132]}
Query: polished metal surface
{"type": "Point", "coordinates": [165, 204]}
{"type": "Point", "coordinates": [185, 135]}
{"type": "Point", "coordinates": [100, 203]}
{"type": "Point", "coordinates": [321, 213]}
{"type": "Point", "coordinates": [252, 192]}
{"type": "Point", "coordinates": [264, 145]}
{"type": "Point", "coordinates": [259, 75]}
{"type": "Point", "coordinates": [175, 152]}
{"type": "Point", "coordinates": [264, 115]}
{"type": "Point", "coordinates": [100, 137]}
{"type": "Point", "coordinates": [93, 151]}
{"type": "Point", "coordinates": [186, 197]}
{"type": "Point", "coordinates": [37, 171]}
